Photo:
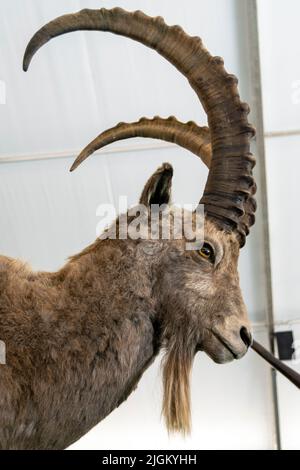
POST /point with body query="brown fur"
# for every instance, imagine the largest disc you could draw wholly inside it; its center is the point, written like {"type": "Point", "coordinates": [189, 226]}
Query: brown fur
{"type": "Point", "coordinates": [78, 340]}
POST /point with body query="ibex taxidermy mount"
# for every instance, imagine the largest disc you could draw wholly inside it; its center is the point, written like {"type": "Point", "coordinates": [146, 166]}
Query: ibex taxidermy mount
{"type": "Point", "coordinates": [78, 340]}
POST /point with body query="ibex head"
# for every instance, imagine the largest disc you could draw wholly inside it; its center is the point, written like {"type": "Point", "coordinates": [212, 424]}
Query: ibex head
{"type": "Point", "coordinates": [198, 290]}
{"type": "Point", "coordinates": [196, 286]}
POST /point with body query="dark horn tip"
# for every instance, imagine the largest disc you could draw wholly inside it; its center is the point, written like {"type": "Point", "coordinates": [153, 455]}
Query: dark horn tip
{"type": "Point", "coordinates": [25, 64]}
{"type": "Point", "coordinates": [26, 60]}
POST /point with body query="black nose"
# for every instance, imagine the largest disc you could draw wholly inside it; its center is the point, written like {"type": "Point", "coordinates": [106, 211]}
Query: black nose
{"type": "Point", "coordinates": [246, 336]}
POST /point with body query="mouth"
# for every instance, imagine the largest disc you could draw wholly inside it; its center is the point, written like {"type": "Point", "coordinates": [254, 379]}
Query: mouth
{"type": "Point", "coordinates": [225, 344]}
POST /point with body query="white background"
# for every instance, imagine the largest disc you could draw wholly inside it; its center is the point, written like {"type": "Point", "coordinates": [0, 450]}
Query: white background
{"type": "Point", "coordinates": [82, 83]}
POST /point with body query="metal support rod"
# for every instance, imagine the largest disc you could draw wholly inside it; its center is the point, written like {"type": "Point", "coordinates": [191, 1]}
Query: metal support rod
{"type": "Point", "coordinates": [287, 371]}
{"type": "Point", "coordinates": [252, 16]}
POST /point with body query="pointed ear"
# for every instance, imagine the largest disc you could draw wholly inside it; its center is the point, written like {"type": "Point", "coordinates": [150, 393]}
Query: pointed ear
{"type": "Point", "coordinates": [157, 190]}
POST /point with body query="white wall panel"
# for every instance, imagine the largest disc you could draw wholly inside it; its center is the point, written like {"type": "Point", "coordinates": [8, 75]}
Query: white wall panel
{"type": "Point", "coordinates": [49, 213]}
{"type": "Point", "coordinates": [81, 83]}
{"type": "Point", "coordinates": [280, 49]}
{"type": "Point", "coordinates": [283, 167]}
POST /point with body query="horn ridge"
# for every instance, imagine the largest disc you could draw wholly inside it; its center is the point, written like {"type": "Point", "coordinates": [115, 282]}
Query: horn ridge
{"type": "Point", "coordinates": [187, 135]}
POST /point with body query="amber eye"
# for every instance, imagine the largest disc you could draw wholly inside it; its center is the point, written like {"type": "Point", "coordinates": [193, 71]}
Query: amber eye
{"type": "Point", "coordinates": [207, 252]}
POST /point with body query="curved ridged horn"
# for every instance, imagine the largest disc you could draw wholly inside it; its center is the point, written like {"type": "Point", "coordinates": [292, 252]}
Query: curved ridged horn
{"type": "Point", "coordinates": [187, 135]}
{"type": "Point", "coordinates": [228, 194]}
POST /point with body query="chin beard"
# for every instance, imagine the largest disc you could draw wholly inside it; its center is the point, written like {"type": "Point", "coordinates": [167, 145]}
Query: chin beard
{"type": "Point", "coordinates": [177, 365]}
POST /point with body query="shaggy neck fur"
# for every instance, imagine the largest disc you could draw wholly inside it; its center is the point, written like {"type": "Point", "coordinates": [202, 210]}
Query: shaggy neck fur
{"type": "Point", "coordinates": [85, 336]}
{"type": "Point", "coordinates": [77, 342]}
{"type": "Point", "coordinates": [178, 343]}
